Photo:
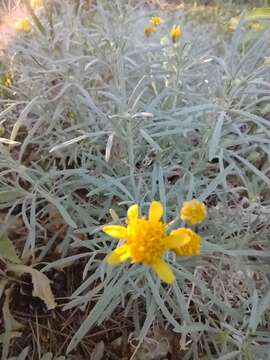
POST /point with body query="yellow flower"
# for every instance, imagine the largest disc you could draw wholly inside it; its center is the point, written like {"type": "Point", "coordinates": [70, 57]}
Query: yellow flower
{"type": "Point", "coordinates": [232, 24]}
{"type": "Point", "coordinates": [193, 212]}
{"type": "Point", "coordinates": [145, 241]}
{"type": "Point", "coordinates": [256, 26]}
{"type": "Point", "coordinates": [7, 79]}
{"type": "Point", "coordinates": [175, 33]}
{"type": "Point", "coordinates": [155, 20]}
{"type": "Point", "coordinates": [148, 30]}
{"type": "Point", "coordinates": [192, 247]}
{"type": "Point", "coordinates": [23, 25]}
{"type": "Point", "coordinates": [36, 3]}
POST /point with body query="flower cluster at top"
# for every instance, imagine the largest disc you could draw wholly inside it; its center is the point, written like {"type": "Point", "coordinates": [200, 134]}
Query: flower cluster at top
{"type": "Point", "coordinates": [36, 3]}
{"type": "Point", "coordinates": [175, 32]}
{"type": "Point", "coordinates": [233, 23]}
{"type": "Point", "coordinates": [145, 240]}
{"type": "Point", "coordinates": [7, 79]}
{"type": "Point", "coordinates": [23, 25]}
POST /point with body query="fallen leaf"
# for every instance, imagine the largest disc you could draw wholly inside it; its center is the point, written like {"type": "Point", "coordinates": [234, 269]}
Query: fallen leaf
{"type": "Point", "coordinates": [7, 250]}
{"type": "Point", "coordinates": [11, 327]}
{"type": "Point", "coordinates": [3, 283]}
{"type": "Point", "coordinates": [10, 323]}
{"type": "Point", "coordinates": [41, 284]}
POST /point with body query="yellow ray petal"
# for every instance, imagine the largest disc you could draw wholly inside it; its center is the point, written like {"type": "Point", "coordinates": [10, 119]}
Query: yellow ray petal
{"type": "Point", "coordinates": [163, 271]}
{"type": "Point", "coordinates": [175, 241]}
{"type": "Point", "coordinates": [118, 255]}
{"type": "Point", "coordinates": [133, 212]}
{"type": "Point", "coordinates": [189, 248]}
{"type": "Point", "coordinates": [115, 231]}
{"type": "Point", "coordinates": [155, 211]}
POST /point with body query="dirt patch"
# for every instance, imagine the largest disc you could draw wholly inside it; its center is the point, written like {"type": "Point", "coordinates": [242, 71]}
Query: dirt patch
{"type": "Point", "coordinates": [51, 331]}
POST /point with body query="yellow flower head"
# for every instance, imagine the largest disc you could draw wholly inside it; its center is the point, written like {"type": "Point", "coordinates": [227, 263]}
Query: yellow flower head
{"type": "Point", "coordinates": [23, 25]}
{"type": "Point", "coordinates": [36, 3]}
{"type": "Point", "coordinates": [232, 24]}
{"type": "Point", "coordinates": [192, 247]}
{"type": "Point", "coordinates": [155, 20]}
{"type": "Point", "coordinates": [148, 30]}
{"type": "Point", "coordinates": [145, 241]}
{"type": "Point", "coordinates": [255, 25]}
{"type": "Point", "coordinates": [193, 212]}
{"type": "Point", "coordinates": [175, 33]}
{"type": "Point", "coordinates": [7, 80]}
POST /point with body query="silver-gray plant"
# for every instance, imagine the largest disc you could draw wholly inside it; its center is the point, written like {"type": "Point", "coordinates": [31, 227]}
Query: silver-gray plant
{"type": "Point", "coordinates": [105, 117]}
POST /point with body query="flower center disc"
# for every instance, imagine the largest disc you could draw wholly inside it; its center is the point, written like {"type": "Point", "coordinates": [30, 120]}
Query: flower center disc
{"type": "Point", "coordinates": [147, 240]}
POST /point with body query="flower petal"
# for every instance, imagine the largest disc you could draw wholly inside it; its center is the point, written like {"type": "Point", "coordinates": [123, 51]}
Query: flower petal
{"type": "Point", "coordinates": [163, 271]}
{"type": "Point", "coordinates": [176, 241]}
{"type": "Point", "coordinates": [118, 255]}
{"type": "Point", "coordinates": [190, 248]}
{"type": "Point", "coordinates": [115, 231]}
{"type": "Point", "coordinates": [133, 212]}
{"type": "Point", "coordinates": [155, 211]}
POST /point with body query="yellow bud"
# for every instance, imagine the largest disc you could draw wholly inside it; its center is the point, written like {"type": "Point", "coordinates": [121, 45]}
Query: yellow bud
{"type": "Point", "coordinates": [232, 24]}
{"type": "Point", "coordinates": [175, 33]}
{"type": "Point", "coordinates": [36, 3]}
{"type": "Point", "coordinates": [155, 20]}
{"type": "Point", "coordinates": [148, 30]}
{"type": "Point", "coordinates": [255, 26]}
{"type": "Point", "coordinates": [23, 25]}
{"type": "Point", "coordinates": [193, 212]}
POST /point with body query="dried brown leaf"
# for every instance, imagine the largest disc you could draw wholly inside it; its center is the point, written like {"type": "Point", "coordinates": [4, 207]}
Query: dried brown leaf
{"type": "Point", "coordinates": [41, 284]}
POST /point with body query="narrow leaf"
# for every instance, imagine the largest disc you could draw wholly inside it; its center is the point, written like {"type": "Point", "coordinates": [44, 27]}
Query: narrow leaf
{"type": "Point", "coordinates": [216, 136]}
